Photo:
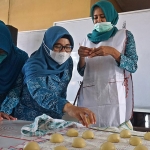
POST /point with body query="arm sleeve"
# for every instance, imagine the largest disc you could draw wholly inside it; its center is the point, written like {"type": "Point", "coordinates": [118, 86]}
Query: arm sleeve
{"type": "Point", "coordinates": [46, 94]}
{"type": "Point", "coordinates": [129, 59]}
{"type": "Point", "coordinates": [13, 96]}
{"type": "Point", "coordinates": [81, 70]}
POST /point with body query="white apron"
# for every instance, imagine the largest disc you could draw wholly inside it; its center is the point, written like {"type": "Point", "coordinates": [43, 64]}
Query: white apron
{"type": "Point", "coordinates": [106, 89]}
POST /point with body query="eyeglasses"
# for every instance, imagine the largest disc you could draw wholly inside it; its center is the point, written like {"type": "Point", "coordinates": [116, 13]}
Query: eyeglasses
{"type": "Point", "coordinates": [59, 47]}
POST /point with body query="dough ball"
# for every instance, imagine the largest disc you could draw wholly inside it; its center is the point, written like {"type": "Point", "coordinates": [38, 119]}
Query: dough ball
{"type": "Point", "coordinates": [125, 134]}
{"type": "Point", "coordinates": [56, 138]}
{"type": "Point", "coordinates": [72, 133]}
{"type": "Point", "coordinates": [32, 146]}
{"type": "Point", "coordinates": [140, 147]}
{"type": "Point", "coordinates": [134, 141]}
{"type": "Point", "coordinates": [113, 138]}
{"type": "Point", "coordinates": [107, 146]}
{"type": "Point", "coordinates": [88, 134]}
{"type": "Point", "coordinates": [78, 142]}
{"type": "Point", "coordinates": [60, 148]}
{"type": "Point", "coordinates": [147, 136]}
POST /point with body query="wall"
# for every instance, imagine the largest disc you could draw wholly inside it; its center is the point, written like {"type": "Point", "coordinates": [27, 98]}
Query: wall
{"type": "Point", "coordinates": [40, 14]}
{"type": "Point", "coordinates": [4, 7]}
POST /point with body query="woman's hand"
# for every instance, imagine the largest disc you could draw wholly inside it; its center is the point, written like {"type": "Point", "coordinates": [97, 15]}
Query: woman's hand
{"type": "Point", "coordinates": [80, 113]}
{"type": "Point", "coordinates": [84, 51]}
{"type": "Point", "coordinates": [6, 116]}
{"type": "Point", "coordinates": [105, 51]}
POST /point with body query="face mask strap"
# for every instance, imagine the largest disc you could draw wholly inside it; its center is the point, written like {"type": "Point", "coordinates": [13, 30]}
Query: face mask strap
{"type": "Point", "coordinates": [46, 49]}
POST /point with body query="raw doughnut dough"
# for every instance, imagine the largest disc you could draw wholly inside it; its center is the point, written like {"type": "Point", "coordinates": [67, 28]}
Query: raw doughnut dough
{"type": "Point", "coordinates": [88, 134]}
{"type": "Point", "coordinates": [140, 147]}
{"type": "Point", "coordinates": [113, 138]}
{"type": "Point", "coordinates": [78, 142]}
{"type": "Point", "coordinates": [31, 146]}
{"type": "Point", "coordinates": [60, 148]}
{"type": "Point", "coordinates": [107, 146]}
{"type": "Point", "coordinates": [134, 141]}
{"type": "Point", "coordinates": [56, 138]}
{"type": "Point", "coordinates": [147, 136]}
{"type": "Point", "coordinates": [125, 134]}
{"type": "Point", "coordinates": [72, 133]}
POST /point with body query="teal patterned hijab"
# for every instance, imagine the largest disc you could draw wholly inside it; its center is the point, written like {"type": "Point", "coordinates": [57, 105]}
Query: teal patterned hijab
{"type": "Point", "coordinates": [111, 15]}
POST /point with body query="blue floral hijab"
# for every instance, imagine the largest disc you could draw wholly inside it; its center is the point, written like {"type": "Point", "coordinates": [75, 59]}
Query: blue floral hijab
{"type": "Point", "coordinates": [13, 63]}
{"type": "Point", "coordinates": [111, 15]}
{"type": "Point", "coordinates": [40, 63]}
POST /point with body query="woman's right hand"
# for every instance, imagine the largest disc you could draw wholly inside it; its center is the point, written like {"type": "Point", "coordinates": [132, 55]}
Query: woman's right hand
{"type": "Point", "coordinates": [84, 51]}
{"type": "Point", "coordinates": [80, 113]}
{"type": "Point", "coordinates": [6, 116]}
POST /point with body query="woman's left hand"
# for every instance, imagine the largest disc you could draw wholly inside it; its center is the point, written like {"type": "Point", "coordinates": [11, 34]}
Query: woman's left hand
{"type": "Point", "coordinates": [80, 113]}
{"type": "Point", "coordinates": [105, 51]}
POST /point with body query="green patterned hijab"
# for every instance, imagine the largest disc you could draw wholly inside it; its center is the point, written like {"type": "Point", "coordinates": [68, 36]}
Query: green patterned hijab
{"type": "Point", "coordinates": [111, 15]}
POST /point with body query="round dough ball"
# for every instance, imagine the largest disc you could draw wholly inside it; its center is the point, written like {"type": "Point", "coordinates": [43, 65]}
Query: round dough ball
{"type": "Point", "coordinates": [113, 138]}
{"type": "Point", "coordinates": [140, 147]}
{"type": "Point", "coordinates": [147, 136]}
{"type": "Point", "coordinates": [72, 133]}
{"type": "Point", "coordinates": [56, 138]}
{"type": "Point", "coordinates": [125, 134]}
{"type": "Point", "coordinates": [107, 146]}
{"type": "Point", "coordinates": [60, 148]}
{"type": "Point", "coordinates": [134, 141]}
{"type": "Point", "coordinates": [88, 134]}
{"type": "Point", "coordinates": [78, 142]}
{"type": "Point", "coordinates": [32, 146]}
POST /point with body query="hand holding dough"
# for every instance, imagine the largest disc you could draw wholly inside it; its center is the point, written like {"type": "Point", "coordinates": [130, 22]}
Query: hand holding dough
{"type": "Point", "coordinates": [147, 136]}
{"type": "Point", "coordinates": [60, 148]}
{"type": "Point", "coordinates": [125, 134]}
{"type": "Point", "coordinates": [113, 138]}
{"type": "Point", "coordinates": [88, 134]}
{"type": "Point", "coordinates": [31, 146]}
{"type": "Point", "coordinates": [72, 133]}
{"type": "Point", "coordinates": [56, 138]}
{"type": "Point", "coordinates": [78, 142]}
{"type": "Point", "coordinates": [107, 146]}
{"type": "Point", "coordinates": [134, 141]}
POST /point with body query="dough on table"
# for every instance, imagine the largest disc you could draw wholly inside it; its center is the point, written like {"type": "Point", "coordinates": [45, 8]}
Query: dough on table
{"type": "Point", "coordinates": [88, 134]}
{"type": "Point", "coordinates": [113, 138]}
{"type": "Point", "coordinates": [107, 146]}
{"type": "Point", "coordinates": [140, 147]}
{"type": "Point", "coordinates": [134, 141]}
{"type": "Point", "coordinates": [32, 146]}
{"type": "Point", "coordinates": [125, 134]}
{"type": "Point", "coordinates": [147, 136]}
{"type": "Point", "coordinates": [56, 138]}
{"type": "Point", "coordinates": [72, 133]}
{"type": "Point", "coordinates": [78, 142]}
{"type": "Point", "coordinates": [60, 148]}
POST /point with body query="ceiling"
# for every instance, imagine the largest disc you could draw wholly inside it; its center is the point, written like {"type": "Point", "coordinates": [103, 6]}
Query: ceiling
{"type": "Point", "coordinates": [131, 5]}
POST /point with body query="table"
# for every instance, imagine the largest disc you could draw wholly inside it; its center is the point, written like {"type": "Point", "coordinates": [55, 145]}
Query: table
{"type": "Point", "coordinates": [11, 138]}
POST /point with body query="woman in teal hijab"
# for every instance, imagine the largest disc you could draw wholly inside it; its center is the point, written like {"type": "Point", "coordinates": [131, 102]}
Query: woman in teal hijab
{"type": "Point", "coordinates": [107, 57]}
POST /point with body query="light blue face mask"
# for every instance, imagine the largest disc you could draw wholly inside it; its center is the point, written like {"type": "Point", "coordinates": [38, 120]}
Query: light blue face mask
{"type": "Point", "coordinates": [2, 57]}
{"type": "Point", "coordinates": [103, 26]}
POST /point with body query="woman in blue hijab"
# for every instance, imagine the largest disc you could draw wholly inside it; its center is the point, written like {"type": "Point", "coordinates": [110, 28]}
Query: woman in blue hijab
{"type": "Point", "coordinates": [12, 60]}
{"type": "Point", "coordinates": [47, 74]}
{"type": "Point", "coordinates": [107, 59]}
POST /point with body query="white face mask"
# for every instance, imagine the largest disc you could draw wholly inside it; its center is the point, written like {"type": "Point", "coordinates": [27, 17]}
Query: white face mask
{"type": "Point", "coordinates": [103, 26]}
{"type": "Point", "coordinates": [60, 58]}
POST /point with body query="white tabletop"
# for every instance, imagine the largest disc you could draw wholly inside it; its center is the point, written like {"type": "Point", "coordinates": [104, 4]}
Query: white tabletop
{"type": "Point", "coordinates": [10, 133]}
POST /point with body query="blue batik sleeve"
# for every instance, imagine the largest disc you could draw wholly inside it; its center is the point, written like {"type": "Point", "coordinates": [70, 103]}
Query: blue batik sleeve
{"type": "Point", "coordinates": [129, 59]}
{"type": "Point", "coordinates": [13, 96]}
